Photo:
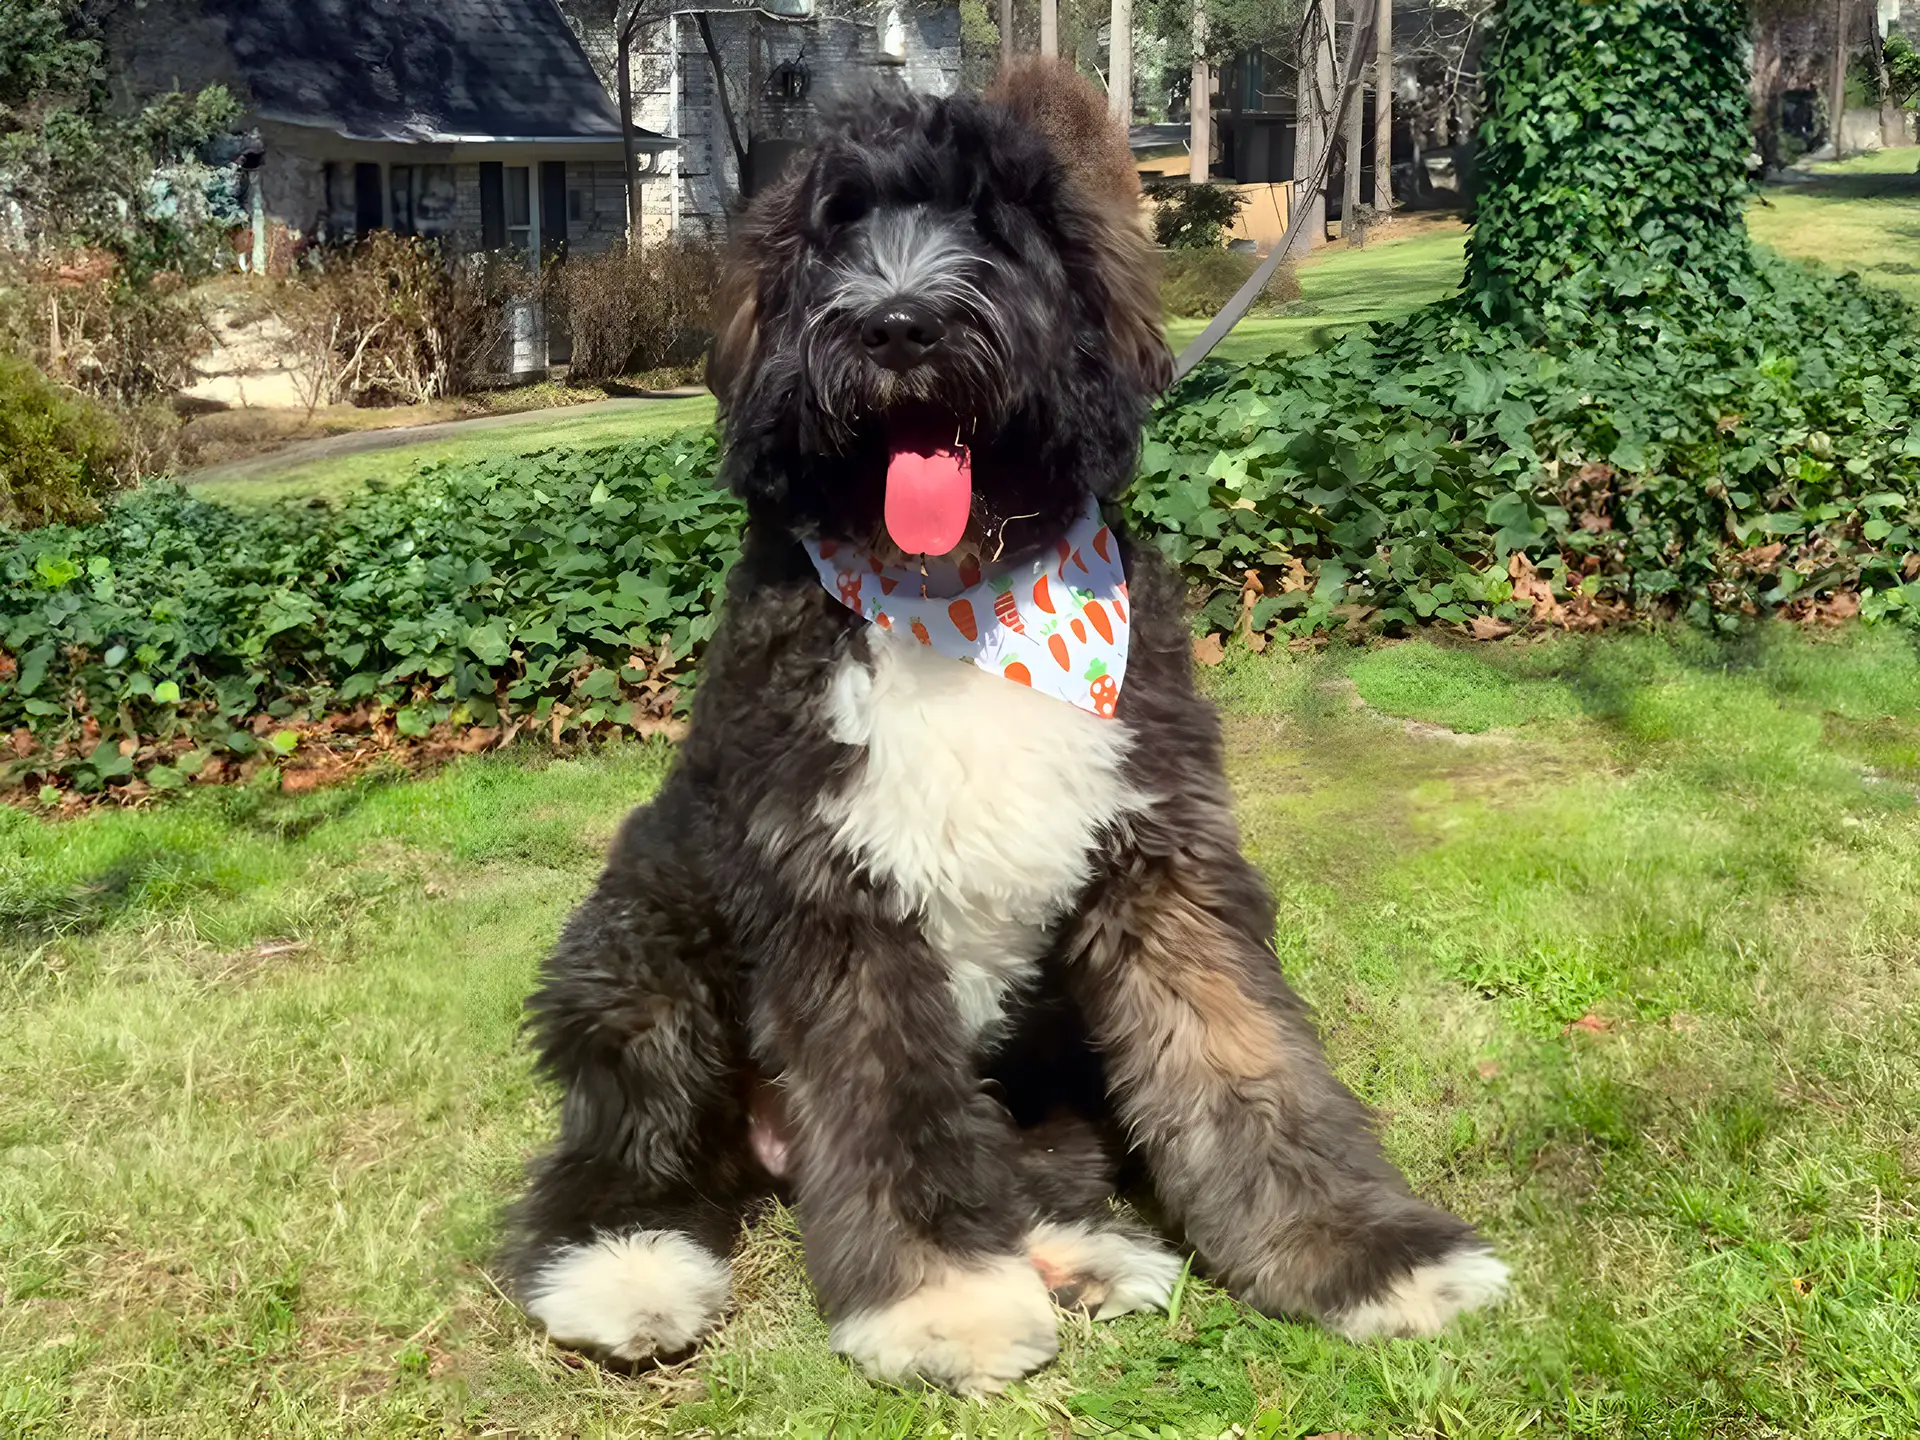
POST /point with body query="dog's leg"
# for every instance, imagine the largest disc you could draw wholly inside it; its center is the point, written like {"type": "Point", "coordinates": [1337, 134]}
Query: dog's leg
{"type": "Point", "coordinates": [1268, 1161]}
{"type": "Point", "coordinates": [619, 1246]}
{"type": "Point", "coordinates": [910, 1194]}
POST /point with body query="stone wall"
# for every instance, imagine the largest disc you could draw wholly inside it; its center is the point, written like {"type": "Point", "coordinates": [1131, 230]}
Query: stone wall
{"type": "Point", "coordinates": [839, 55]}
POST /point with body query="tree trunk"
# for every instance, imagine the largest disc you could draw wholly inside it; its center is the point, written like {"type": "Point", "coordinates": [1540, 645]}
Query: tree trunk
{"type": "Point", "coordinates": [1316, 123]}
{"type": "Point", "coordinates": [1891, 130]}
{"type": "Point", "coordinates": [1383, 108]}
{"type": "Point", "coordinates": [623, 69]}
{"type": "Point", "coordinates": [1006, 32]}
{"type": "Point", "coordinates": [1120, 62]}
{"type": "Point", "coordinates": [1200, 108]}
{"type": "Point", "coordinates": [1049, 27]}
{"type": "Point", "coordinates": [1351, 228]}
{"type": "Point", "coordinates": [1837, 103]}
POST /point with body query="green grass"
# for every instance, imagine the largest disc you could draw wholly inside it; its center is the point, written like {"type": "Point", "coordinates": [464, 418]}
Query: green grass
{"type": "Point", "coordinates": [1862, 214]}
{"type": "Point", "coordinates": [266, 1090]}
{"type": "Point", "coordinates": [1341, 289]}
{"type": "Point", "coordinates": [541, 430]}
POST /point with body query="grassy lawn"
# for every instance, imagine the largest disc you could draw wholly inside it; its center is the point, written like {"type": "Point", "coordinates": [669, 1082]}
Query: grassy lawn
{"type": "Point", "coordinates": [541, 430]}
{"type": "Point", "coordinates": [1621, 937]}
{"type": "Point", "coordinates": [1413, 263]}
{"type": "Point", "coordinates": [1862, 214]}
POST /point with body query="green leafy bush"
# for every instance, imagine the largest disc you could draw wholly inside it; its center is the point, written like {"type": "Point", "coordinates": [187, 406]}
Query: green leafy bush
{"type": "Point", "coordinates": [1192, 217]}
{"type": "Point", "coordinates": [471, 595]}
{"type": "Point", "coordinates": [1433, 471]}
{"type": "Point", "coordinates": [1612, 159]}
{"type": "Point", "coordinates": [1768, 454]}
{"type": "Point", "coordinates": [57, 449]}
{"type": "Point", "coordinates": [1197, 284]}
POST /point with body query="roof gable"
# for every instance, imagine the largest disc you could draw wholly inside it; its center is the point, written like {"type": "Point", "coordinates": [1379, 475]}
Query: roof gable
{"type": "Point", "coordinates": [418, 69]}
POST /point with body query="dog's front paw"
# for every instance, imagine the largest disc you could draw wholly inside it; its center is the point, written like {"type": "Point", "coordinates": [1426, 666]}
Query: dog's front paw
{"type": "Point", "coordinates": [973, 1329]}
{"type": "Point", "coordinates": [630, 1297]}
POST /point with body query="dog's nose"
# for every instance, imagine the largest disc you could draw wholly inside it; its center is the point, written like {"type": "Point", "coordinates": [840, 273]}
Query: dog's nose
{"type": "Point", "coordinates": [899, 334]}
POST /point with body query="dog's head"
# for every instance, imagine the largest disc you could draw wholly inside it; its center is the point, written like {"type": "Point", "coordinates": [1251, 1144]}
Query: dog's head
{"type": "Point", "coordinates": [947, 321]}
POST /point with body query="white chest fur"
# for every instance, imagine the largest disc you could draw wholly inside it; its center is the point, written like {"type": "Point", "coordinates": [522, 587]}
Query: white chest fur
{"type": "Point", "coordinates": [980, 807]}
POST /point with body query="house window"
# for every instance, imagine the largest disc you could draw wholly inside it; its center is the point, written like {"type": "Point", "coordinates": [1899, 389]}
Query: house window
{"type": "Point", "coordinates": [519, 198]}
{"type": "Point", "coordinates": [400, 198]}
{"type": "Point", "coordinates": [367, 207]}
{"type": "Point", "coordinates": [577, 205]}
{"type": "Point", "coordinates": [434, 199]}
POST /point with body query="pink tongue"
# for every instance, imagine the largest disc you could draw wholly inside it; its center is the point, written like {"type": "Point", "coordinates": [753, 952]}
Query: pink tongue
{"type": "Point", "coordinates": [928, 500]}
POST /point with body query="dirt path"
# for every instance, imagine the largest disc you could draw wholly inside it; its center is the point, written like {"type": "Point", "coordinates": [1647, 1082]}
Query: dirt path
{"type": "Point", "coordinates": [358, 442]}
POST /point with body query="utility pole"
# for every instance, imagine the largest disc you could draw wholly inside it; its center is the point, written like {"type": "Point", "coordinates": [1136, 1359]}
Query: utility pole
{"type": "Point", "coordinates": [1120, 62]}
{"type": "Point", "coordinates": [1006, 33]}
{"type": "Point", "coordinates": [1050, 28]}
{"type": "Point", "coordinates": [1837, 105]}
{"type": "Point", "coordinates": [1200, 108]}
{"type": "Point", "coordinates": [1383, 109]}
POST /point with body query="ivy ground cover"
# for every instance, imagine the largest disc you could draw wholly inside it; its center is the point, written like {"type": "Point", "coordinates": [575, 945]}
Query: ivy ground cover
{"type": "Point", "coordinates": [1617, 933]}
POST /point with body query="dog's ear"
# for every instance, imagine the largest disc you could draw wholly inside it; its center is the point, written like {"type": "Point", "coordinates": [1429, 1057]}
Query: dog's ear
{"type": "Point", "coordinates": [760, 254]}
{"type": "Point", "coordinates": [1050, 96]}
{"type": "Point", "coordinates": [1103, 205]}
{"type": "Point", "coordinates": [736, 328]}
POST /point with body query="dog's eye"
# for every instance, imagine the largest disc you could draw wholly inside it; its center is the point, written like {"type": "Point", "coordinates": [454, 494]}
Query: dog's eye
{"type": "Point", "coordinates": [844, 207]}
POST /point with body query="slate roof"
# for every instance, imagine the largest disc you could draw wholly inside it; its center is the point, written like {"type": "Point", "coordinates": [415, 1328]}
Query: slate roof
{"type": "Point", "coordinates": [420, 70]}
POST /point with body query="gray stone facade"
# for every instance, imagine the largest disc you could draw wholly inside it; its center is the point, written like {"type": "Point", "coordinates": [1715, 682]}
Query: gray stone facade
{"type": "Point", "coordinates": [702, 186]}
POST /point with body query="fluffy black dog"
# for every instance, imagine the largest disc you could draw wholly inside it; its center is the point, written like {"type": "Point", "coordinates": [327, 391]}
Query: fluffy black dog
{"type": "Point", "coordinates": [944, 953]}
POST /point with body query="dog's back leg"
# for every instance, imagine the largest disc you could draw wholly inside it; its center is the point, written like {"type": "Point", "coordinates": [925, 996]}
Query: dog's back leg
{"type": "Point", "coordinates": [619, 1245]}
{"type": "Point", "coordinates": [1091, 1256]}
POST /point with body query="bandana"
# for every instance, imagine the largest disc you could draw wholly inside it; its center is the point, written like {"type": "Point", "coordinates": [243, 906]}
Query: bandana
{"type": "Point", "coordinates": [1057, 623]}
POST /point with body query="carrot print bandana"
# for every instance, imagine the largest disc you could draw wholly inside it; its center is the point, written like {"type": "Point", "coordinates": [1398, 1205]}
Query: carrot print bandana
{"type": "Point", "coordinates": [1057, 623]}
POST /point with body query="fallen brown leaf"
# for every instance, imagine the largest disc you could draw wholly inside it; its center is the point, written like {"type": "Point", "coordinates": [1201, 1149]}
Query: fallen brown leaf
{"type": "Point", "coordinates": [1530, 589]}
{"type": "Point", "coordinates": [1486, 1069]}
{"type": "Point", "coordinates": [1591, 1023]}
{"type": "Point", "coordinates": [1207, 650]}
{"type": "Point", "coordinates": [1488, 627]}
{"type": "Point", "coordinates": [671, 727]}
{"type": "Point", "coordinates": [298, 782]}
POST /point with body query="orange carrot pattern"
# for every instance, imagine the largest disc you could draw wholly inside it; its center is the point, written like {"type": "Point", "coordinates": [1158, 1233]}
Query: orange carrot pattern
{"type": "Point", "coordinates": [1005, 608]}
{"type": "Point", "coordinates": [1022, 620]}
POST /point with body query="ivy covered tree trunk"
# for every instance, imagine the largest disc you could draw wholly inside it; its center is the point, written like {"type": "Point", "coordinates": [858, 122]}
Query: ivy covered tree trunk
{"type": "Point", "coordinates": [1612, 158]}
